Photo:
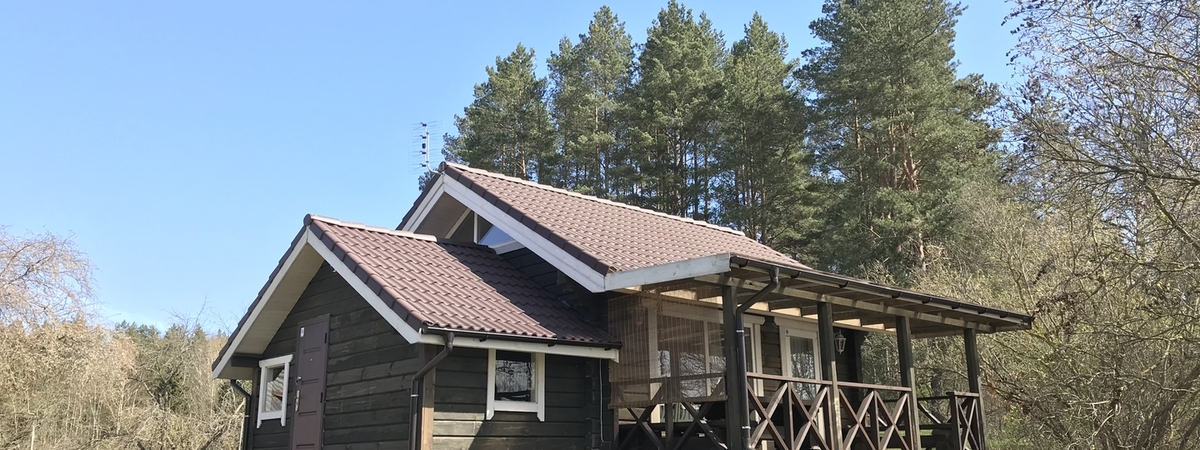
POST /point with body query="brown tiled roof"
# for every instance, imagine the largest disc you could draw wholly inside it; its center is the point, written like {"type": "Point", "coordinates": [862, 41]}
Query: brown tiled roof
{"type": "Point", "coordinates": [454, 285]}
{"type": "Point", "coordinates": [606, 235]}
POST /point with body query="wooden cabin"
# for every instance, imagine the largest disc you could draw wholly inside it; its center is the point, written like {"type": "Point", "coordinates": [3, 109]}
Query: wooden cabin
{"type": "Point", "coordinates": [506, 314]}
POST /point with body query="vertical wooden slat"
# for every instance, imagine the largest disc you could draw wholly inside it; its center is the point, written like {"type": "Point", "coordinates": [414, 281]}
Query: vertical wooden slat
{"type": "Point", "coordinates": [970, 345]}
{"type": "Point", "coordinates": [736, 411]}
{"type": "Point", "coordinates": [908, 378]}
{"type": "Point", "coordinates": [829, 371]}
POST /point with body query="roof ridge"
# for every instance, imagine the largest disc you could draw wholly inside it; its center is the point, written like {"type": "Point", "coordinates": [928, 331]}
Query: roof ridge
{"type": "Point", "coordinates": [595, 199]}
{"type": "Point", "coordinates": [309, 218]}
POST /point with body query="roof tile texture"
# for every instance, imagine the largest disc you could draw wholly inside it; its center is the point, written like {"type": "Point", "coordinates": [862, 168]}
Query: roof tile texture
{"type": "Point", "coordinates": [608, 236]}
{"type": "Point", "coordinates": [452, 285]}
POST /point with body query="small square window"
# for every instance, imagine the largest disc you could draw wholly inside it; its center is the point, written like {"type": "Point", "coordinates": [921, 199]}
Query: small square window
{"type": "Point", "coordinates": [273, 388]}
{"type": "Point", "coordinates": [514, 376]}
{"type": "Point", "coordinates": [516, 382]}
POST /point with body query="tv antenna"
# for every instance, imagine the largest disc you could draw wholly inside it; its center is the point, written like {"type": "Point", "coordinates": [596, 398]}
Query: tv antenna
{"type": "Point", "coordinates": [425, 146]}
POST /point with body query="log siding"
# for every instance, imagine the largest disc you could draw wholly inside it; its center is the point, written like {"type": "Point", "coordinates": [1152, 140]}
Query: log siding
{"type": "Point", "coordinates": [368, 372]}
{"type": "Point", "coordinates": [460, 406]}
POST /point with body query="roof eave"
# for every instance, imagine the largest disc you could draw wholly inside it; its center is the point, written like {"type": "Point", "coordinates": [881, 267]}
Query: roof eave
{"type": "Point", "coordinates": [1003, 320]}
{"type": "Point", "coordinates": [680, 270]}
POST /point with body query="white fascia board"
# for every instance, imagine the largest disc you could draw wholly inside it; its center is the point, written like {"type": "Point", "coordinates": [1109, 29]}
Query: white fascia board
{"type": "Point", "coordinates": [426, 205]}
{"type": "Point", "coordinates": [562, 349]}
{"type": "Point", "coordinates": [572, 267]}
{"type": "Point", "coordinates": [272, 286]}
{"type": "Point", "coordinates": [707, 265]}
{"type": "Point", "coordinates": [411, 335]}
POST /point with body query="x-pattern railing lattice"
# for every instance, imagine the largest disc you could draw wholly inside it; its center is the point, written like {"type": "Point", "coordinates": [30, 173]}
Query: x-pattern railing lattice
{"type": "Point", "coordinates": [876, 424]}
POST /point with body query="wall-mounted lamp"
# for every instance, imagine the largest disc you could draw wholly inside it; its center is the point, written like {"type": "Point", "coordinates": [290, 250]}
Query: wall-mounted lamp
{"type": "Point", "coordinates": [839, 342]}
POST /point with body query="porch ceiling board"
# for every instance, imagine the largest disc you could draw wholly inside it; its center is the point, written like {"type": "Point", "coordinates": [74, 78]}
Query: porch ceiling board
{"type": "Point", "coordinates": [889, 297]}
{"type": "Point", "coordinates": [862, 305]}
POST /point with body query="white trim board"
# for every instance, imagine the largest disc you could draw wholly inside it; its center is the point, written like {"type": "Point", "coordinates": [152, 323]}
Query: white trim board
{"type": "Point", "coordinates": [572, 267]}
{"type": "Point", "coordinates": [582, 273]}
{"type": "Point", "coordinates": [705, 265]}
{"type": "Point", "coordinates": [281, 361]}
{"type": "Point", "coordinates": [307, 254]}
{"type": "Point", "coordinates": [496, 343]}
{"type": "Point", "coordinates": [411, 335]}
{"type": "Point", "coordinates": [284, 282]}
{"type": "Point", "coordinates": [426, 205]}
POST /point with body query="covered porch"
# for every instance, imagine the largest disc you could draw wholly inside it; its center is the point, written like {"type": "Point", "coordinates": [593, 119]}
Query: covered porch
{"type": "Point", "coordinates": [795, 388]}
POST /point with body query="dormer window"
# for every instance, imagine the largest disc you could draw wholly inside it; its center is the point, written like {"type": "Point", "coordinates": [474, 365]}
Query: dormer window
{"type": "Point", "coordinates": [495, 237]}
{"type": "Point", "coordinates": [472, 228]}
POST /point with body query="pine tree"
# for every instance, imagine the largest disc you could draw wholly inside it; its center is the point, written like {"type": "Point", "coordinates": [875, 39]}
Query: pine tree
{"type": "Point", "coordinates": [899, 134]}
{"type": "Point", "coordinates": [674, 111]}
{"type": "Point", "coordinates": [588, 78]}
{"type": "Point", "coordinates": [764, 181]}
{"type": "Point", "coordinates": [507, 128]}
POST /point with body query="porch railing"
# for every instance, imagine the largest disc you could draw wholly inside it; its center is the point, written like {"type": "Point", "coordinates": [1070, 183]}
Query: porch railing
{"type": "Point", "coordinates": [808, 414]}
{"type": "Point", "coordinates": [960, 423]}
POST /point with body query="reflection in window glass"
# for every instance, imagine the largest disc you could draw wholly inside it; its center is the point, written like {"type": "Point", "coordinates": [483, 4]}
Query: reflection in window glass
{"type": "Point", "coordinates": [274, 389]}
{"type": "Point", "coordinates": [803, 364]}
{"type": "Point", "coordinates": [494, 236]}
{"type": "Point", "coordinates": [514, 376]}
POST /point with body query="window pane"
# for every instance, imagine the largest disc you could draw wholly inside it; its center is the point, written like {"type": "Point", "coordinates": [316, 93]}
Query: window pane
{"type": "Point", "coordinates": [273, 400]}
{"type": "Point", "coordinates": [494, 236]}
{"type": "Point", "coordinates": [514, 376]}
{"type": "Point", "coordinates": [803, 363]}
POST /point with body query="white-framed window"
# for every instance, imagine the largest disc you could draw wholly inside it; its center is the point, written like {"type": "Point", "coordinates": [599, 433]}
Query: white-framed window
{"type": "Point", "coordinates": [801, 357]}
{"type": "Point", "coordinates": [273, 379]}
{"type": "Point", "coordinates": [516, 382]}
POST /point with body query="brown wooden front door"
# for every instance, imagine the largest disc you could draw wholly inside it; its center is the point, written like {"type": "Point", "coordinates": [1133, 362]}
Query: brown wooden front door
{"type": "Point", "coordinates": [312, 350]}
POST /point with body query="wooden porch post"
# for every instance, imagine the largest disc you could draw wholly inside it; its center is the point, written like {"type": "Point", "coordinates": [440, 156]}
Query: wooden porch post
{"type": "Point", "coordinates": [908, 378]}
{"type": "Point", "coordinates": [829, 371]}
{"type": "Point", "coordinates": [736, 406]}
{"type": "Point", "coordinates": [972, 350]}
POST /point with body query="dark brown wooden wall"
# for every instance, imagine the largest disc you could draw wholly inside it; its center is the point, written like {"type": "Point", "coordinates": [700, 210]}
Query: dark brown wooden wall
{"type": "Point", "coordinates": [368, 374]}
{"type": "Point", "coordinates": [594, 309]}
{"type": "Point", "coordinates": [460, 407]}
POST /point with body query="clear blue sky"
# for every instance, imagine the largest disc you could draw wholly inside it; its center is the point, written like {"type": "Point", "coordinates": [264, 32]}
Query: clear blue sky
{"type": "Point", "coordinates": [181, 143]}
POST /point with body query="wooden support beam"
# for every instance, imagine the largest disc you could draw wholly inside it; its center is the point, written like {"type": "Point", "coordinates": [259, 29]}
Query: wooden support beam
{"type": "Point", "coordinates": [970, 345]}
{"type": "Point", "coordinates": [724, 280]}
{"type": "Point", "coordinates": [894, 293]}
{"type": "Point", "coordinates": [825, 335]}
{"type": "Point", "coordinates": [908, 377]}
{"type": "Point", "coordinates": [736, 403]}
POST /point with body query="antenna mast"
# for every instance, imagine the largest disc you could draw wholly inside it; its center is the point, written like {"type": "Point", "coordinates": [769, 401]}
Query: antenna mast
{"type": "Point", "coordinates": [425, 146]}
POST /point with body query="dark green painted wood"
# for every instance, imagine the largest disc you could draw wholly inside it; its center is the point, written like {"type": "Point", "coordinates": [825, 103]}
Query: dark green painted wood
{"type": "Point", "coordinates": [367, 374]}
{"type": "Point", "coordinates": [370, 368]}
{"type": "Point", "coordinates": [460, 398]}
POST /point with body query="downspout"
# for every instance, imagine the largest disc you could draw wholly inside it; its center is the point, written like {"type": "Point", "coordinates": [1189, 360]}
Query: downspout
{"type": "Point", "coordinates": [742, 382]}
{"type": "Point", "coordinates": [415, 400]}
{"type": "Point", "coordinates": [247, 433]}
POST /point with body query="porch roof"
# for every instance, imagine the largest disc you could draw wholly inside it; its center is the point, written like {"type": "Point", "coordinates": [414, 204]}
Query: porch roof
{"type": "Point", "coordinates": [859, 302]}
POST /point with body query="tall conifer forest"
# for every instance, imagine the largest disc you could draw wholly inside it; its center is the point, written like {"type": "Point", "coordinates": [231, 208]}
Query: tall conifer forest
{"type": "Point", "coordinates": [1071, 193]}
